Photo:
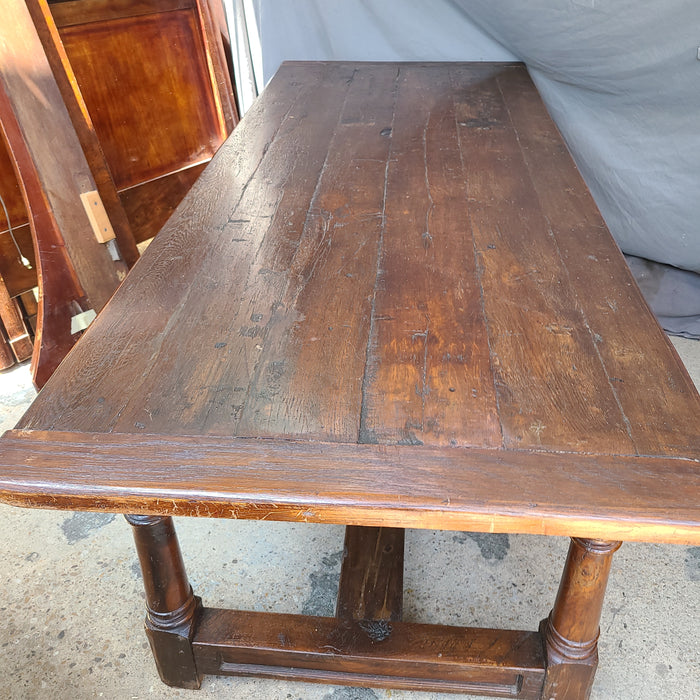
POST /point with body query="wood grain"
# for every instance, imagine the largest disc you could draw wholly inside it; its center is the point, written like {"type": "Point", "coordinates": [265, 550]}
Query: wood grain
{"type": "Point", "coordinates": [486, 490]}
{"type": "Point", "coordinates": [294, 294]}
{"type": "Point", "coordinates": [168, 278]}
{"type": "Point", "coordinates": [371, 576]}
{"type": "Point", "coordinates": [75, 12]}
{"type": "Point", "coordinates": [149, 205]}
{"type": "Point", "coordinates": [309, 379]}
{"type": "Point", "coordinates": [624, 331]}
{"type": "Point", "coordinates": [412, 656]}
{"type": "Point", "coordinates": [559, 395]}
{"type": "Point", "coordinates": [172, 102]}
{"type": "Point", "coordinates": [428, 378]}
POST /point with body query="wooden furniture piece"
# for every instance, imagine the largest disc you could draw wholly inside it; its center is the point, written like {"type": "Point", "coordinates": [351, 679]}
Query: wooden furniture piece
{"type": "Point", "coordinates": [388, 302]}
{"type": "Point", "coordinates": [155, 78]}
{"type": "Point", "coordinates": [77, 269]}
{"type": "Point", "coordinates": [175, 107]}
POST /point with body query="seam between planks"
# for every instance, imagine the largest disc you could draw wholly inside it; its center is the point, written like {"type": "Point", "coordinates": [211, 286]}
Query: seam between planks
{"type": "Point", "coordinates": [362, 429]}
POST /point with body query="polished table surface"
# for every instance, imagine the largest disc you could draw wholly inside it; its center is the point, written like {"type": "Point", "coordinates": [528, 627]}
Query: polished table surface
{"type": "Point", "coordinates": [390, 299]}
{"type": "Point", "coordinates": [388, 302]}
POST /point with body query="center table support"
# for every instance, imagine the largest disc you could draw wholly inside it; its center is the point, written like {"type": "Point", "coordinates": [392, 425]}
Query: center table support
{"type": "Point", "coordinates": [389, 302]}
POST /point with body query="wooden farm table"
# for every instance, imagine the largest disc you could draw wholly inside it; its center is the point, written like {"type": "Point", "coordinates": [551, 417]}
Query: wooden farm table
{"type": "Point", "coordinates": [388, 302]}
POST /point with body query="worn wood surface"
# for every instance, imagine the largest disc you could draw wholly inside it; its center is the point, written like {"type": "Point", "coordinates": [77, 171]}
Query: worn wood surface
{"type": "Point", "coordinates": [571, 631]}
{"type": "Point", "coordinates": [371, 576]}
{"type": "Point", "coordinates": [389, 302]}
{"type": "Point", "coordinates": [382, 253]}
{"type": "Point", "coordinates": [150, 204]}
{"type": "Point", "coordinates": [477, 489]}
{"type": "Point", "coordinates": [400, 655]}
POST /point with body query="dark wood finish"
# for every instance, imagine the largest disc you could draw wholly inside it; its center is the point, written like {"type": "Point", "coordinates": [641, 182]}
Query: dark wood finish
{"type": "Point", "coordinates": [402, 655]}
{"type": "Point", "coordinates": [571, 632]}
{"type": "Point", "coordinates": [172, 610]}
{"type": "Point", "coordinates": [650, 499]}
{"type": "Point", "coordinates": [149, 205]}
{"type": "Point", "coordinates": [371, 577]}
{"type": "Point", "coordinates": [388, 302]}
{"type": "Point", "coordinates": [75, 271]}
{"type": "Point", "coordinates": [62, 71]}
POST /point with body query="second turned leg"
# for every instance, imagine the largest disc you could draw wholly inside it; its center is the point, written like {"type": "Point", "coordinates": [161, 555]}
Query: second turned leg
{"type": "Point", "coordinates": [571, 632]}
{"type": "Point", "coordinates": [171, 608]}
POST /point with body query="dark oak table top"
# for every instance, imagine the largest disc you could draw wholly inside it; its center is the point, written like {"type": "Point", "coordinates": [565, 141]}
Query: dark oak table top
{"type": "Point", "coordinates": [389, 300]}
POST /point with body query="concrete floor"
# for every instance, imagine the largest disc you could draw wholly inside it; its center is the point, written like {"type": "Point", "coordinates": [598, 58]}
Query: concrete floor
{"type": "Point", "coordinates": [72, 604]}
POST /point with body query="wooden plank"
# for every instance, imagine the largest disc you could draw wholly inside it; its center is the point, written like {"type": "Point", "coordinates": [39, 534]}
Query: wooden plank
{"type": "Point", "coordinates": [651, 499]}
{"type": "Point", "coordinates": [75, 12]}
{"type": "Point", "coordinates": [7, 357]}
{"type": "Point", "coordinates": [213, 39]}
{"type": "Point", "coordinates": [169, 389]}
{"type": "Point", "coordinates": [169, 120]}
{"type": "Point", "coordinates": [17, 334]}
{"type": "Point", "coordinates": [552, 387]}
{"type": "Point", "coordinates": [149, 205]}
{"type": "Point", "coordinates": [309, 379]}
{"type": "Point", "coordinates": [428, 377]}
{"type": "Point", "coordinates": [254, 258]}
{"type": "Point", "coordinates": [99, 221]}
{"type": "Point", "coordinates": [397, 655]}
{"type": "Point", "coordinates": [371, 576]}
{"type": "Point", "coordinates": [662, 415]}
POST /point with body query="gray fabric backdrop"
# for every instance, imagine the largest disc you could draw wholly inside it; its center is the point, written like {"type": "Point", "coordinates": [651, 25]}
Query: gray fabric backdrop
{"type": "Point", "coordinates": [621, 78]}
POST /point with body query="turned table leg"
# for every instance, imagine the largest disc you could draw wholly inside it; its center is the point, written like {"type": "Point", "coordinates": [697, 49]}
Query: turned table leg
{"type": "Point", "coordinates": [172, 609]}
{"type": "Point", "coordinates": [571, 632]}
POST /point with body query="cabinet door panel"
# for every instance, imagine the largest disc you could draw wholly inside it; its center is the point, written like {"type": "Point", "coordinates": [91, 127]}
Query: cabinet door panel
{"type": "Point", "coordinates": [148, 91]}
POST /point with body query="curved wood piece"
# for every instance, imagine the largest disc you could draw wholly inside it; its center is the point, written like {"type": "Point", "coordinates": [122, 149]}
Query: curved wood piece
{"type": "Point", "coordinates": [75, 272]}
